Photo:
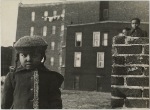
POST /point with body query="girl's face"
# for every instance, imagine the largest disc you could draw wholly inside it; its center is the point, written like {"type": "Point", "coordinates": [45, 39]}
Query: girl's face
{"type": "Point", "coordinates": [30, 60]}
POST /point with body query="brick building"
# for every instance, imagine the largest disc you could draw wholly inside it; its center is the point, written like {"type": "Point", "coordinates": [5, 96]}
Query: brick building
{"type": "Point", "coordinates": [51, 21]}
{"type": "Point", "coordinates": [88, 55]}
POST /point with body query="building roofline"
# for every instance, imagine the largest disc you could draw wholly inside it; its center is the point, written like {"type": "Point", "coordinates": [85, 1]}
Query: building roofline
{"type": "Point", "coordinates": [49, 4]}
{"type": "Point", "coordinates": [103, 22]}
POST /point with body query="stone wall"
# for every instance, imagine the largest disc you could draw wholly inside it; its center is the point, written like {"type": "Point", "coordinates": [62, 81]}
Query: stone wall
{"type": "Point", "coordinates": [130, 72]}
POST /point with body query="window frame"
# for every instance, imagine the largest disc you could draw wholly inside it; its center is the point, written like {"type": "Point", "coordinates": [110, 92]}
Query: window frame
{"type": "Point", "coordinates": [33, 16]}
{"type": "Point", "coordinates": [96, 39]}
{"type": "Point", "coordinates": [100, 59]}
{"type": "Point", "coordinates": [31, 31]}
{"type": "Point", "coordinates": [76, 35]}
{"type": "Point", "coordinates": [52, 45]}
{"type": "Point", "coordinates": [45, 31]}
{"type": "Point", "coordinates": [53, 29]}
{"type": "Point", "coordinates": [60, 61]}
{"type": "Point", "coordinates": [76, 59]}
{"type": "Point", "coordinates": [52, 61]}
{"type": "Point", "coordinates": [105, 39]}
{"type": "Point", "coordinates": [45, 15]}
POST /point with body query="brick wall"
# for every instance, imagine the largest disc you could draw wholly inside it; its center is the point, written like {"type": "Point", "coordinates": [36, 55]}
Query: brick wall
{"type": "Point", "coordinates": [130, 72]}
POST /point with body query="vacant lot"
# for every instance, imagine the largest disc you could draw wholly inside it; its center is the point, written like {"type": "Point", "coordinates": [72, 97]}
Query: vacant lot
{"type": "Point", "coordinates": [85, 99]}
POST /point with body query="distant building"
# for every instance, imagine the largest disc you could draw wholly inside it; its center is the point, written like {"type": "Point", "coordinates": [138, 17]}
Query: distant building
{"type": "Point", "coordinates": [51, 20]}
{"type": "Point", "coordinates": [88, 55]}
{"type": "Point", "coordinates": [6, 58]}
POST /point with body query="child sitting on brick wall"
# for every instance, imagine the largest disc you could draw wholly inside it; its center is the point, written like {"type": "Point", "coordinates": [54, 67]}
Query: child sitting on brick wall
{"type": "Point", "coordinates": [136, 31]}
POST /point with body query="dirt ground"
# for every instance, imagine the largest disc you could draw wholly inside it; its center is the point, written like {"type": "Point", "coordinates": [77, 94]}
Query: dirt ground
{"type": "Point", "coordinates": [85, 100]}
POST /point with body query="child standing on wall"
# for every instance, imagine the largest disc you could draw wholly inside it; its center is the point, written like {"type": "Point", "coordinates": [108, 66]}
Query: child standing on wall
{"type": "Point", "coordinates": [32, 85]}
{"type": "Point", "coordinates": [136, 31]}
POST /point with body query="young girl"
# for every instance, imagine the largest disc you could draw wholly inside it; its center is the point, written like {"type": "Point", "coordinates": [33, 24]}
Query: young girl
{"type": "Point", "coordinates": [32, 85]}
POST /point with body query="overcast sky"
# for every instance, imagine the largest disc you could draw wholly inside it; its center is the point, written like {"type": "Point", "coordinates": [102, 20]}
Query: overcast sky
{"type": "Point", "coordinates": [9, 13]}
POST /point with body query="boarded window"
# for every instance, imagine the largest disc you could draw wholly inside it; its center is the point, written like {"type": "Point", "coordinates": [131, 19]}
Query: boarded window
{"type": "Point", "coordinates": [78, 39]}
{"type": "Point", "coordinates": [100, 59]}
{"type": "Point", "coordinates": [77, 59]}
{"type": "Point", "coordinates": [96, 39]}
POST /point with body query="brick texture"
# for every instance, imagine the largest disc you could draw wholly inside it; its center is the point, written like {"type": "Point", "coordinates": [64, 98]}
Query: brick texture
{"type": "Point", "coordinates": [137, 60]}
{"type": "Point", "coordinates": [118, 60]}
{"type": "Point", "coordinates": [134, 49]}
{"type": "Point", "coordinates": [117, 103]}
{"type": "Point", "coordinates": [136, 103]}
{"type": "Point", "coordinates": [119, 40]}
{"type": "Point", "coordinates": [117, 80]}
{"type": "Point", "coordinates": [126, 92]}
{"type": "Point", "coordinates": [130, 73]}
{"type": "Point", "coordinates": [137, 40]}
{"type": "Point", "coordinates": [133, 81]}
{"type": "Point", "coordinates": [135, 70]}
{"type": "Point", "coordinates": [119, 71]}
{"type": "Point", "coordinates": [146, 49]}
{"type": "Point", "coordinates": [146, 93]}
{"type": "Point", "coordinates": [146, 71]}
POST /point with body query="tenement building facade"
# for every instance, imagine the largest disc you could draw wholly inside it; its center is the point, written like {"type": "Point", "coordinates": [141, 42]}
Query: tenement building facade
{"type": "Point", "coordinates": [80, 30]}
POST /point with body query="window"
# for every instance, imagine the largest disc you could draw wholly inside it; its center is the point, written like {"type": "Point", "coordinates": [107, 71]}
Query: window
{"type": "Point", "coordinates": [105, 14]}
{"type": "Point", "coordinates": [31, 31]}
{"type": "Point", "coordinates": [63, 14]}
{"type": "Point", "coordinates": [52, 45]}
{"type": "Point", "coordinates": [78, 39]}
{"type": "Point", "coordinates": [53, 29]}
{"type": "Point", "coordinates": [100, 59]}
{"type": "Point", "coordinates": [105, 40]}
{"type": "Point", "coordinates": [60, 61]}
{"type": "Point", "coordinates": [52, 61]}
{"type": "Point", "coordinates": [45, 15]}
{"type": "Point", "coordinates": [54, 13]}
{"type": "Point", "coordinates": [62, 30]}
{"type": "Point", "coordinates": [44, 30]}
{"type": "Point", "coordinates": [33, 16]}
{"type": "Point", "coordinates": [96, 39]}
{"type": "Point", "coordinates": [77, 59]}
{"type": "Point", "coordinates": [62, 27]}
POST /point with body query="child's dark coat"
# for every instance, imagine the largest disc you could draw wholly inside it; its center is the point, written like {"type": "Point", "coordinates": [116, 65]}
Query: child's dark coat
{"type": "Point", "coordinates": [18, 90]}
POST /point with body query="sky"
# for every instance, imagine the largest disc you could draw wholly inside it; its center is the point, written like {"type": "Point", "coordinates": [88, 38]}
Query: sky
{"type": "Point", "coordinates": [9, 13]}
